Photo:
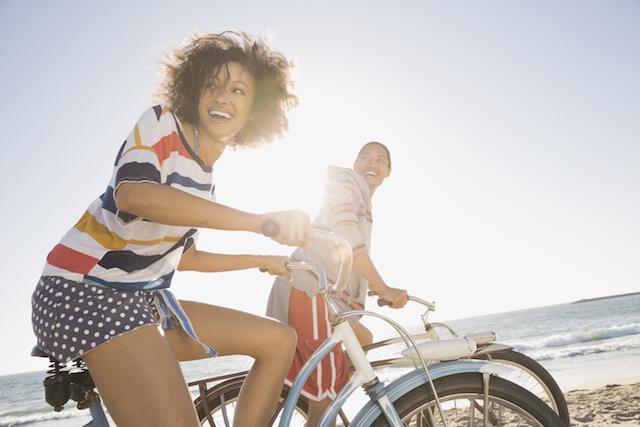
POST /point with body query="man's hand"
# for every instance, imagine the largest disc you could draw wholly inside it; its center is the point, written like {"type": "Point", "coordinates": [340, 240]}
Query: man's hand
{"type": "Point", "coordinates": [397, 297]}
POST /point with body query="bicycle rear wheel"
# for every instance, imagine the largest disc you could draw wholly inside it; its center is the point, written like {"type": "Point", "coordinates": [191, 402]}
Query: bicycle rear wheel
{"type": "Point", "coordinates": [533, 377]}
{"type": "Point", "coordinates": [222, 399]}
{"type": "Point", "coordinates": [463, 402]}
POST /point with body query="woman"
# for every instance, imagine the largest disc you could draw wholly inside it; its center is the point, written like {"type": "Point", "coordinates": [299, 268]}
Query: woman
{"type": "Point", "coordinates": [346, 210]}
{"type": "Point", "coordinates": [103, 291]}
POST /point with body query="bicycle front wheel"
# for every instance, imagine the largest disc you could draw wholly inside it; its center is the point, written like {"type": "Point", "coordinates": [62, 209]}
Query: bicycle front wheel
{"type": "Point", "coordinates": [529, 374]}
{"type": "Point", "coordinates": [462, 400]}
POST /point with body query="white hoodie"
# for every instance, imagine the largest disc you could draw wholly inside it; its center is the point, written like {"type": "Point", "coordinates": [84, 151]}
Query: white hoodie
{"type": "Point", "coordinates": [346, 210]}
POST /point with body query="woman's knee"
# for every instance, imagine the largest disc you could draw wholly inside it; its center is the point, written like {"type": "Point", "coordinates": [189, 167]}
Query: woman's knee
{"type": "Point", "coordinates": [287, 338]}
{"type": "Point", "coordinates": [281, 340]}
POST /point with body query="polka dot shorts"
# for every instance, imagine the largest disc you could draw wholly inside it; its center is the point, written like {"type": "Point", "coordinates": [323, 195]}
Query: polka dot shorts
{"type": "Point", "coordinates": [71, 318]}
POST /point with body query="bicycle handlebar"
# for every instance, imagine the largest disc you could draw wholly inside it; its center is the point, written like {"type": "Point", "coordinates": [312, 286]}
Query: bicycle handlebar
{"type": "Point", "coordinates": [271, 228]}
{"type": "Point", "coordinates": [382, 302]}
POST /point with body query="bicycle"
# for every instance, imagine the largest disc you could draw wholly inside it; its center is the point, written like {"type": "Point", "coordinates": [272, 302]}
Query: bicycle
{"type": "Point", "coordinates": [470, 377]}
{"type": "Point", "coordinates": [526, 372]}
{"type": "Point", "coordinates": [216, 404]}
{"type": "Point", "coordinates": [426, 396]}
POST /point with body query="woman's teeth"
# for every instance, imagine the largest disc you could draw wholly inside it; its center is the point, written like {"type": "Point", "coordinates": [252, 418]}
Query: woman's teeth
{"type": "Point", "coordinates": [219, 114]}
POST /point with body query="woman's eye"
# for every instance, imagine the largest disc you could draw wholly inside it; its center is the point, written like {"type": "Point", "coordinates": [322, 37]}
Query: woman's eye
{"type": "Point", "coordinates": [238, 91]}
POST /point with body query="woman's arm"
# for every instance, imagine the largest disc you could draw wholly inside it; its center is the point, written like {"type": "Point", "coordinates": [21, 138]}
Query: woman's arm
{"type": "Point", "coordinates": [207, 262]}
{"type": "Point", "coordinates": [166, 205]}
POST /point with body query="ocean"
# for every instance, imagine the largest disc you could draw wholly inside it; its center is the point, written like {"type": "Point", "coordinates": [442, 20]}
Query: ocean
{"type": "Point", "coordinates": [583, 345]}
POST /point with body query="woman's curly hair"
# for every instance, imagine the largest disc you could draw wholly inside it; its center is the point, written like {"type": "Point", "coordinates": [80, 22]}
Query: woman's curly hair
{"type": "Point", "coordinates": [187, 70]}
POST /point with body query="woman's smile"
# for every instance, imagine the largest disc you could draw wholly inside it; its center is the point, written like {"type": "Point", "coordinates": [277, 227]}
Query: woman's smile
{"type": "Point", "coordinates": [225, 103]}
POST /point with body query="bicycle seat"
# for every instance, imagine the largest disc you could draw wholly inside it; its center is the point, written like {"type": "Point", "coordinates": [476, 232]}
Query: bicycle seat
{"type": "Point", "coordinates": [38, 352]}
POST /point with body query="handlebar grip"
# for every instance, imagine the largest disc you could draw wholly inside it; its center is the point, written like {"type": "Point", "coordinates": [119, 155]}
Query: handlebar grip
{"type": "Point", "coordinates": [270, 228]}
{"type": "Point", "coordinates": [381, 302]}
{"type": "Point", "coordinates": [384, 302]}
{"type": "Point", "coordinates": [287, 265]}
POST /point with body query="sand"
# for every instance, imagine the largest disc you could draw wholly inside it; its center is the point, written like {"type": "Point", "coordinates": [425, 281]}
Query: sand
{"type": "Point", "coordinates": [611, 405]}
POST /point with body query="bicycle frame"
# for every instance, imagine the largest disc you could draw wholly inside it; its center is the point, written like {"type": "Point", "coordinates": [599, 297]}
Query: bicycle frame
{"type": "Point", "coordinates": [382, 398]}
{"type": "Point", "coordinates": [485, 343]}
{"type": "Point", "coordinates": [364, 374]}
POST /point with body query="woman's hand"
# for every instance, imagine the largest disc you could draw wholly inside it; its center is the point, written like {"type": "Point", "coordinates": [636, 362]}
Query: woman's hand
{"type": "Point", "coordinates": [397, 297]}
{"type": "Point", "coordinates": [294, 227]}
{"type": "Point", "coordinates": [274, 265]}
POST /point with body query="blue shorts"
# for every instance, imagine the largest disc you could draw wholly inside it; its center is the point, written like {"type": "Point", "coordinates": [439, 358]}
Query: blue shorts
{"type": "Point", "coordinates": [70, 319]}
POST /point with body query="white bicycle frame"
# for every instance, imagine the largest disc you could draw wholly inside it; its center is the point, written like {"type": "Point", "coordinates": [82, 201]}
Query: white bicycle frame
{"type": "Point", "coordinates": [381, 397]}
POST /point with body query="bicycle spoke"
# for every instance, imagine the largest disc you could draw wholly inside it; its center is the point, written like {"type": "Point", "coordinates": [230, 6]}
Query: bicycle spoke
{"type": "Point", "coordinates": [225, 416]}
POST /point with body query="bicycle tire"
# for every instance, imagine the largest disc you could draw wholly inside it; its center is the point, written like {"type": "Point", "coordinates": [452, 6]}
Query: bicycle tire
{"type": "Point", "coordinates": [551, 393]}
{"type": "Point", "coordinates": [468, 387]}
{"type": "Point", "coordinates": [230, 390]}
{"type": "Point", "coordinates": [223, 397]}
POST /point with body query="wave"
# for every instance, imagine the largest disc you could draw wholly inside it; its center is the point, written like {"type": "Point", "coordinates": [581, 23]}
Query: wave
{"type": "Point", "coordinates": [584, 351]}
{"type": "Point", "coordinates": [19, 418]}
{"type": "Point", "coordinates": [592, 335]}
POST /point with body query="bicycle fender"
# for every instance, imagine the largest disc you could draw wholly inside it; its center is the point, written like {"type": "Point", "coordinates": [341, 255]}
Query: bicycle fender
{"type": "Point", "coordinates": [417, 378]}
{"type": "Point", "coordinates": [492, 348]}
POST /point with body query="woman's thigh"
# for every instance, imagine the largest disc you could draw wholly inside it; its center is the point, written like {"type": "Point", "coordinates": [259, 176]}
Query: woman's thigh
{"type": "Point", "coordinates": [140, 381]}
{"type": "Point", "coordinates": [229, 332]}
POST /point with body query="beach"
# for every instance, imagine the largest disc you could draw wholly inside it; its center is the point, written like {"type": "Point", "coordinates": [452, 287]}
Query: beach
{"type": "Point", "coordinates": [611, 405]}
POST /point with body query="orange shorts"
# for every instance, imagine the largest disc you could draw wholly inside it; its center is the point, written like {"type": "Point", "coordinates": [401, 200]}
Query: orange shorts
{"type": "Point", "coordinates": [310, 319]}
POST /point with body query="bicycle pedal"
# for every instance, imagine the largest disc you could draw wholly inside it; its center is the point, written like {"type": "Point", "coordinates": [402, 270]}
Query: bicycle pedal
{"type": "Point", "coordinates": [92, 398]}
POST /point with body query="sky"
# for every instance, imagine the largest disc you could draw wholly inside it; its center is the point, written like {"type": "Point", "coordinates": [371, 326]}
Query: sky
{"type": "Point", "coordinates": [513, 128]}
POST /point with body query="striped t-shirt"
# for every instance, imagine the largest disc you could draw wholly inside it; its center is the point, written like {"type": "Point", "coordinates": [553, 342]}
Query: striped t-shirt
{"type": "Point", "coordinates": [117, 249]}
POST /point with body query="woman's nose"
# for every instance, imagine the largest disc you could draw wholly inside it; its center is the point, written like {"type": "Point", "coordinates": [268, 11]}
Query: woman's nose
{"type": "Point", "coordinates": [217, 93]}
{"type": "Point", "coordinates": [220, 95]}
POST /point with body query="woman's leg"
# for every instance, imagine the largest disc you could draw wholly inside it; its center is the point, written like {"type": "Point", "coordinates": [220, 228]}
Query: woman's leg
{"type": "Point", "coordinates": [270, 343]}
{"type": "Point", "coordinates": [140, 381]}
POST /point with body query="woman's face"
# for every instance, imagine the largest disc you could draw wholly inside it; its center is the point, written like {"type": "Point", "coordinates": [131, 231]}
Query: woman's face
{"type": "Point", "coordinates": [225, 102]}
{"type": "Point", "coordinates": [373, 164]}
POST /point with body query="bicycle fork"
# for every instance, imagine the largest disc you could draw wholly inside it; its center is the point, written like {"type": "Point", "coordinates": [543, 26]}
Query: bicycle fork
{"type": "Point", "coordinates": [364, 376]}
